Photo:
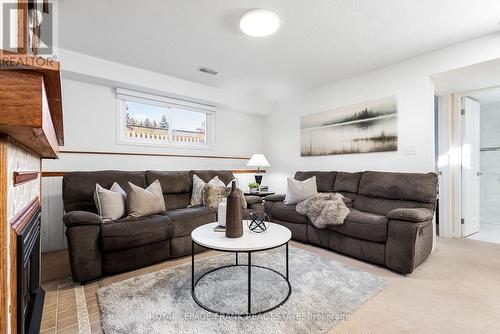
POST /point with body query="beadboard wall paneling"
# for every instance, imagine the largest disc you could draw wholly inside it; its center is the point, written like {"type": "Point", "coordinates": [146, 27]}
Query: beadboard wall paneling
{"type": "Point", "coordinates": [52, 226]}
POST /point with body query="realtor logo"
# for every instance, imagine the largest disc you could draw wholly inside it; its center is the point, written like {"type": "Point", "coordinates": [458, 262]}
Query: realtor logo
{"type": "Point", "coordinates": [36, 37]}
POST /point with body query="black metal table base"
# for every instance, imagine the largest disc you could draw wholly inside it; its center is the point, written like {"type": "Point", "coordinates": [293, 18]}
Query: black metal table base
{"type": "Point", "coordinates": [194, 282]}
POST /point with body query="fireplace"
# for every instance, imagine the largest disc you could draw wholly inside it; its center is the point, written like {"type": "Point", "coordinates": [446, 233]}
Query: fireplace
{"type": "Point", "coordinates": [30, 295]}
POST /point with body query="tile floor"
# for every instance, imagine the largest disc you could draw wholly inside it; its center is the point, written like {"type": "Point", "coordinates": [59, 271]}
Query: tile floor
{"type": "Point", "coordinates": [488, 233]}
{"type": "Point", "coordinates": [60, 313]}
{"type": "Point", "coordinates": [64, 312]}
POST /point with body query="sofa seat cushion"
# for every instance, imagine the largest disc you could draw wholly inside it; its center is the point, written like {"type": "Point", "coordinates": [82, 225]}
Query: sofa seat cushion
{"type": "Point", "coordinates": [364, 225]}
{"type": "Point", "coordinates": [286, 213]}
{"type": "Point", "coordinates": [134, 232]}
{"type": "Point", "coordinates": [185, 220]}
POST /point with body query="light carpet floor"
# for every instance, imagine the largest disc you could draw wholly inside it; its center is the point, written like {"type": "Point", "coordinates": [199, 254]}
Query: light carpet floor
{"type": "Point", "coordinates": [457, 290]}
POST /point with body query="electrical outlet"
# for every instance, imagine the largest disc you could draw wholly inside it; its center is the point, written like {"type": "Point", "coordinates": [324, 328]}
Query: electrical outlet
{"type": "Point", "coordinates": [410, 150]}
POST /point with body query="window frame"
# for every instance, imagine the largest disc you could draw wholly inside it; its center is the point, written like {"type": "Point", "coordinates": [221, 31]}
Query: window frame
{"type": "Point", "coordinates": [124, 95]}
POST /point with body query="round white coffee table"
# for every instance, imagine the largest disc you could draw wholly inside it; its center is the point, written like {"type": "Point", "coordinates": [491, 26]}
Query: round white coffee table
{"type": "Point", "coordinates": [275, 236]}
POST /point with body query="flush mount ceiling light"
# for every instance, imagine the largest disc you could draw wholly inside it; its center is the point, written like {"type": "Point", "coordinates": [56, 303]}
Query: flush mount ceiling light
{"type": "Point", "coordinates": [259, 22]}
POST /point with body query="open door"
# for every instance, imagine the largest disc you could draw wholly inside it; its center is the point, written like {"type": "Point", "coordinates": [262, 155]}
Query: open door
{"type": "Point", "coordinates": [470, 166]}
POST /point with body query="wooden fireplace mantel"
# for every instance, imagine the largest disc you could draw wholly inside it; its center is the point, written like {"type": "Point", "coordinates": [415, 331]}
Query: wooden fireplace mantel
{"type": "Point", "coordinates": [23, 217]}
{"type": "Point", "coordinates": [51, 71]}
{"type": "Point", "coordinates": [25, 114]}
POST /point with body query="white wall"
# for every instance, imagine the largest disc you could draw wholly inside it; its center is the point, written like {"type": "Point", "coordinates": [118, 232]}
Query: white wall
{"type": "Point", "coordinates": [490, 163]}
{"type": "Point", "coordinates": [410, 81]}
{"type": "Point", "coordinates": [90, 119]}
{"type": "Point", "coordinates": [90, 125]}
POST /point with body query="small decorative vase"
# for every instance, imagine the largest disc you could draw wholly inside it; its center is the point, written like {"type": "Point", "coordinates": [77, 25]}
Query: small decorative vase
{"type": "Point", "coordinates": [221, 212]}
{"type": "Point", "coordinates": [253, 190]}
{"type": "Point", "coordinates": [234, 219]}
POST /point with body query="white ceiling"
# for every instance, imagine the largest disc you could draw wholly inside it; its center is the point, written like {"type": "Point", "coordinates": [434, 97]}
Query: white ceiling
{"type": "Point", "coordinates": [320, 41]}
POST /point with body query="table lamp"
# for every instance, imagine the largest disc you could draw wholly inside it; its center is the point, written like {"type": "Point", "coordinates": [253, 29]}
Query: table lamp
{"type": "Point", "coordinates": [258, 160]}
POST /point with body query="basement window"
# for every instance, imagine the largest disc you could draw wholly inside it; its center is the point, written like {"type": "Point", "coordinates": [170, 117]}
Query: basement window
{"type": "Point", "coordinates": [153, 120]}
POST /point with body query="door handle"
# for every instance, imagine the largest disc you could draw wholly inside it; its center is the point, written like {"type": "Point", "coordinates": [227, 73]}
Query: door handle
{"type": "Point", "coordinates": [479, 173]}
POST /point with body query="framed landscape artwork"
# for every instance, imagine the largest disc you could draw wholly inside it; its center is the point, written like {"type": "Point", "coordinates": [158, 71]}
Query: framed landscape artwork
{"type": "Point", "coordinates": [361, 128]}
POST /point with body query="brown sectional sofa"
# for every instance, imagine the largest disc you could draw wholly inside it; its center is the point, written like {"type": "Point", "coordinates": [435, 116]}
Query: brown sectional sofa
{"type": "Point", "coordinates": [390, 222]}
{"type": "Point", "coordinates": [98, 248]}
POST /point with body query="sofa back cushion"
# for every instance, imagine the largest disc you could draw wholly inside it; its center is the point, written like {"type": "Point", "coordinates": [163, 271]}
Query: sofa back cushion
{"type": "Point", "coordinates": [78, 187]}
{"type": "Point", "coordinates": [324, 180]}
{"type": "Point", "coordinates": [347, 183]}
{"type": "Point", "coordinates": [176, 187]}
{"type": "Point", "coordinates": [381, 192]}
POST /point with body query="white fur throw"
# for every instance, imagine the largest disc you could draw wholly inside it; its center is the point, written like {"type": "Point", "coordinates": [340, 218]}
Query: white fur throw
{"type": "Point", "coordinates": [324, 209]}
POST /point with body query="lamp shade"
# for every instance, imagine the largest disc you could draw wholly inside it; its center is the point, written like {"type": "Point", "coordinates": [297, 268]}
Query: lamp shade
{"type": "Point", "coordinates": [258, 160]}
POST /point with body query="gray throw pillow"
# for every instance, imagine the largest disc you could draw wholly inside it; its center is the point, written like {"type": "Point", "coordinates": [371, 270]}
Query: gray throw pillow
{"type": "Point", "coordinates": [298, 191]}
{"type": "Point", "coordinates": [110, 204]}
{"type": "Point", "coordinates": [144, 202]}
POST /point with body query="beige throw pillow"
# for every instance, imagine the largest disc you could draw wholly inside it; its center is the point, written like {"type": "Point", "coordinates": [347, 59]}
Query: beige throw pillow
{"type": "Point", "coordinates": [110, 204]}
{"type": "Point", "coordinates": [198, 185]}
{"type": "Point", "coordinates": [144, 202]}
{"type": "Point", "coordinates": [298, 191]}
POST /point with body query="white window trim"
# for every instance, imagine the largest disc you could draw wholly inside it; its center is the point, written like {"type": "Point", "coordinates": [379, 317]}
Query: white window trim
{"type": "Point", "coordinates": [123, 95]}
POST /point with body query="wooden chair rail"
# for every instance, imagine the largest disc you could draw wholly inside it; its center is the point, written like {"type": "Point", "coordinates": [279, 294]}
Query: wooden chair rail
{"type": "Point", "coordinates": [234, 171]}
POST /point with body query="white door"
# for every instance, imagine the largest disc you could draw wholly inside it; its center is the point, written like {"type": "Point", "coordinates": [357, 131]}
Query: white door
{"type": "Point", "coordinates": [470, 166]}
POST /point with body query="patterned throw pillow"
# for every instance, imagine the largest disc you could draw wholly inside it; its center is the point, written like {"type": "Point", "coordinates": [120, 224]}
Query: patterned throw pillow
{"type": "Point", "coordinates": [198, 185]}
{"type": "Point", "coordinates": [213, 195]}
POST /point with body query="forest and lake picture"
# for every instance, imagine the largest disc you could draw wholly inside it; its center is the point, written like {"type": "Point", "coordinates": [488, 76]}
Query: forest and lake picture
{"type": "Point", "coordinates": [361, 128]}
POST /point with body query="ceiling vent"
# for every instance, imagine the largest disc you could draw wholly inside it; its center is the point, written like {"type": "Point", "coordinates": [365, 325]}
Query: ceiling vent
{"type": "Point", "coordinates": [207, 70]}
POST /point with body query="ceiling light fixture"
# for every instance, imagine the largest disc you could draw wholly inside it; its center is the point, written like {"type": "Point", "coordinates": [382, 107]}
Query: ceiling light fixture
{"type": "Point", "coordinates": [259, 22]}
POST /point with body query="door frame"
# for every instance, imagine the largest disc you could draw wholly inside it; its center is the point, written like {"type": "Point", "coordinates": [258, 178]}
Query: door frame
{"type": "Point", "coordinates": [449, 166]}
{"type": "Point", "coordinates": [462, 131]}
{"type": "Point", "coordinates": [450, 152]}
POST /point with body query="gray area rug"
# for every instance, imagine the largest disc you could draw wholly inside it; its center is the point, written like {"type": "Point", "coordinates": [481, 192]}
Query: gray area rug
{"type": "Point", "coordinates": [324, 292]}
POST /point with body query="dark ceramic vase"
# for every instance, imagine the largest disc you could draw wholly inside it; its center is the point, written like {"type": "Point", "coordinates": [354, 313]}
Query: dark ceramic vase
{"type": "Point", "coordinates": [234, 219]}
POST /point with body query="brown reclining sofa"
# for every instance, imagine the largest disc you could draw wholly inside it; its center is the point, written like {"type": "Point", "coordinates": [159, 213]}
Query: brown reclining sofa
{"type": "Point", "coordinates": [99, 248]}
{"type": "Point", "coordinates": [390, 222]}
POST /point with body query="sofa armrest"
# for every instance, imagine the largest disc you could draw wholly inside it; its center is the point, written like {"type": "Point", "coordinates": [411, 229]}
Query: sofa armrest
{"type": "Point", "coordinates": [251, 200]}
{"type": "Point", "coordinates": [83, 230]}
{"type": "Point", "coordinates": [408, 244]}
{"type": "Point", "coordinates": [409, 214]}
{"type": "Point", "coordinates": [80, 218]}
{"type": "Point", "coordinates": [275, 198]}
